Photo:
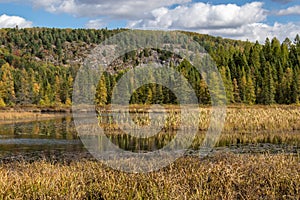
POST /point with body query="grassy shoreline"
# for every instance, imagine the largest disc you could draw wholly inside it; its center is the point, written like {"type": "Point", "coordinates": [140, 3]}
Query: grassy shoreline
{"type": "Point", "coordinates": [30, 113]}
{"type": "Point", "coordinates": [8, 117]}
{"type": "Point", "coordinates": [34, 108]}
{"type": "Point", "coordinates": [221, 176]}
{"type": "Point", "coordinates": [243, 125]}
{"type": "Point", "coordinates": [225, 176]}
{"type": "Point", "coordinates": [280, 118]}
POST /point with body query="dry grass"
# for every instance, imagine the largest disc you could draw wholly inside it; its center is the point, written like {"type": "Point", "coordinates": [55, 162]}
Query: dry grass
{"type": "Point", "coordinates": [13, 116]}
{"type": "Point", "coordinates": [243, 125]}
{"type": "Point", "coordinates": [256, 118]}
{"type": "Point", "coordinates": [225, 176]}
{"type": "Point", "coordinates": [222, 176]}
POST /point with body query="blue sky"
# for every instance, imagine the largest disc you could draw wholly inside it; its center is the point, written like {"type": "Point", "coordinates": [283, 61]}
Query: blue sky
{"type": "Point", "coordinates": [245, 19]}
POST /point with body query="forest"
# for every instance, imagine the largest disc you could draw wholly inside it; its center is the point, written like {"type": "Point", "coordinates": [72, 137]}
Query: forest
{"type": "Point", "coordinates": [39, 65]}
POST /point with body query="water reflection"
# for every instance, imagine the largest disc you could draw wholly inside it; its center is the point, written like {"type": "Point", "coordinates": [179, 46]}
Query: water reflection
{"type": "Point", "coordinates": [58, 128]}
{"type": "Point", "coordinates": [134, 144]}
{"type": "Point", "coordinates": [58, 137]}
{"type": "Point", "coordinates": [46, 138]}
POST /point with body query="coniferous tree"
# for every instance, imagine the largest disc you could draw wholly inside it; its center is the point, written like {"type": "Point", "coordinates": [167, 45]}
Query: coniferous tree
{"type": "Point", "coordinates": [236, 91]}
{"type": "Point", "coordinates": [35, 67]}
{"type": "Point", "coordinates": [268, 88]}
{"type": "Point", "coordinates": [295, 92]}
{"type": "Point", "coordinates": [7, 85]}
{"type": "Point", "coordinates": [250, 91]}
{"type": "Point", "coordinates": [101, 92]}
{"type": "Point", "coordinates": [24, 91]}
{"type": "Point", "coordinates": [225, 73]}
{"type": "Point", "coordinates": [57, 90]}
{"type": "Point", "coordinates": [243, 85]}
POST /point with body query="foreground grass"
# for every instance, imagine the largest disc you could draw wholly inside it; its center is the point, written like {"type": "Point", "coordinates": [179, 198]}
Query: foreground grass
{"type": "Point", "coordinates": [224, 176]}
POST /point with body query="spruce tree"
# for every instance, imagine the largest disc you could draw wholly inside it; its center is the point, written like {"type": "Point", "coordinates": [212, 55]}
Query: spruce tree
{"type": "Point", "coordinates": [101, 92]}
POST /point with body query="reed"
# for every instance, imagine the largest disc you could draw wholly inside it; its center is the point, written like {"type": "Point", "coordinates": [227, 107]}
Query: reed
{"type": "Point", "coordinates": [14, 116]}
{"type": "Point", "coordinates": [256, 118]}
{"type": "Point", "coordinates": [224, 176]}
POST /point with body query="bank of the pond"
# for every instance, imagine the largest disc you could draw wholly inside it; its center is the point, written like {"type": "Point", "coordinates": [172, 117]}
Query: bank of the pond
{"type": "Point", "coordinates": [224, 176]}
{"type": "Point", "coordinates": [18, 114]}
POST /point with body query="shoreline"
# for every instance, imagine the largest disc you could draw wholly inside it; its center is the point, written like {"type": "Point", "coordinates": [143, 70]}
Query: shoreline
{"type": "Point", "coordinates": [37, 109]}
{"type": "Point", "coordinates": [12, 117]}
{"type": "Point", "coordinates": [224, 176]}
{"type": "Point", "coordinates": [68, 109]}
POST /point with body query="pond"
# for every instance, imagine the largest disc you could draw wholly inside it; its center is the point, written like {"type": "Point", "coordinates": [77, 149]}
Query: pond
{"type": "Point", "coordinates": [56, 139]}
{"type": "Point", "coordinates": [52, 138]}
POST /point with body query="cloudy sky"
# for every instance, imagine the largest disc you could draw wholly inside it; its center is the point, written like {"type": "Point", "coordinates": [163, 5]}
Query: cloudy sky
{"type": "Point", "coordinates": [243, 19]}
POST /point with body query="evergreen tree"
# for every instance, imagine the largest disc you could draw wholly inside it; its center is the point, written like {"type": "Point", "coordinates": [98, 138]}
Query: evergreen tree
{"type": "Point", "coordinates": [275, 50]}
{"type": "Point", "coordinates": [57, 91]}
{"type": "Point", "coordinates": [268, 89]}
{"type": "Point", "coordinates": [24, 91]}
{"type": "Point", "coordinates": [243, 85]}
{"type": "Point", "coordinates": [295, 92]}
{"type": "Point", "coordinates": [267, 50]}
{"type": "Point", "coordinates": [225, 73]}
{"type": "Point", "coordinates": [69, 90]}
{"type": "Point", "coordinates": [7, 89]}
{"type": "Point", "coordinates": [204, 97]}
{"type": "Point", "coordinates": [101, 92]}
{"type": "Point", "coordinates": [215, 89]}
{"type": "Point", "coordinates": [236, 91]}
{"type": "Point", "coordinates": [250, 91]}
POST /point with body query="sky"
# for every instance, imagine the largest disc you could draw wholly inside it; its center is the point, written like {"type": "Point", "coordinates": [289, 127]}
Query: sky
{"type": "Point", "coordinates": [242, 19]}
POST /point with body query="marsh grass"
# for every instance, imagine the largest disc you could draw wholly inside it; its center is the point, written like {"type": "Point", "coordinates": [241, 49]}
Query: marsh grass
{"type": "Point", "coordinates": [243, 125]}
{"type": "Point", "coordinates": [235, 139]}
{"type": "Point", "coordinates": [224, 176]}
{"type": "Point", "coordinates": [256, 118]}
{"type": "Point", "coordinates": [219, 176]}
{"type": "Point", "coordinates": [7, 117]}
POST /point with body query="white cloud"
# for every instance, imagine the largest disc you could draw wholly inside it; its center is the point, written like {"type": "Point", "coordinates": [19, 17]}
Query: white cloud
{"type": "Point", "coordinates": [258, 31]}
{"type": "Point", "coordinates": [294, 10]}
{"type": "Point", "coordinates": [201, 15]}
{"type": "Point", "coordinates": [95, 24]}
{"type": "Point", "coordinates": [12, 21]}
{"type": "Point", "coordinates": [244, 22]}
{"type": "Point", "coordinates": [115, 9]}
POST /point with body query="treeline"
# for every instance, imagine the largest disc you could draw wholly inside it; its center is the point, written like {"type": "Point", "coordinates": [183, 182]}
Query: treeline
{"type": "Point", "coordinates": [261, 74]}
{"type": "Point", "coordinates": [38, 67]}
{"type": "Point", "coordinates": [57, 46]}
{"type": "Point", "coordinates": [35, 84]}
{"type": "Point", "coordinates": [252, 74]}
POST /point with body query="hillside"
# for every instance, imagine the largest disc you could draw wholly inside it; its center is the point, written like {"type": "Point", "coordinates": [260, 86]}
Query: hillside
{"type": "Point", "coordinates": [38, 67]}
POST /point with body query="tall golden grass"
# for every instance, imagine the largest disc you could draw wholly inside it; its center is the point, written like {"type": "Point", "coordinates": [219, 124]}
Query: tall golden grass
{"type": "Point", "coordinates": [225, 176]}
{"type": "Point", "coordinates": [256, 118]}
{"type": "Point", "coordinates": [222, 176]}
{"type": "Point", "coordinates": [14, 116]}
{"type": "Point", "coordinates": [243, 125]}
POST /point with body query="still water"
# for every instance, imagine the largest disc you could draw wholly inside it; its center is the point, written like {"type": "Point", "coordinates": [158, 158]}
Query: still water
{"type": "Point", "coordinates": [57, 139]}
{"type": "Point", "coordinates": [38, 139]}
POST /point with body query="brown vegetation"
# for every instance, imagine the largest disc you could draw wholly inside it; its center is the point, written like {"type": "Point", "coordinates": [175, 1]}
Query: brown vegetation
{"type": "Point", "coordinates": [7, 117]}
{"type": "Point", "coordinates": [238, 118]}
{"type": "Point", "coordinates": [225, 176]}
